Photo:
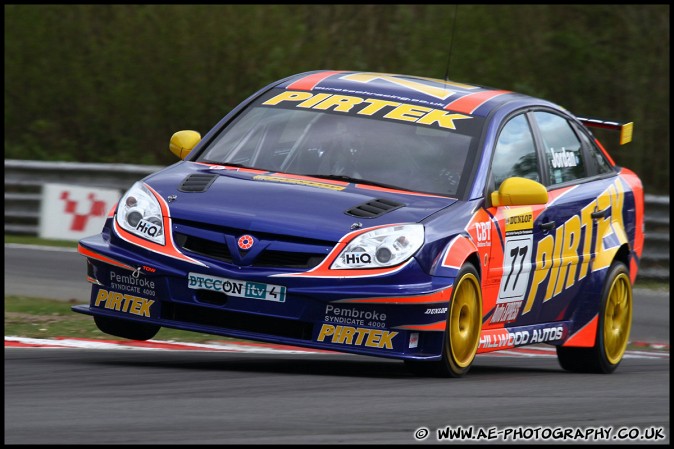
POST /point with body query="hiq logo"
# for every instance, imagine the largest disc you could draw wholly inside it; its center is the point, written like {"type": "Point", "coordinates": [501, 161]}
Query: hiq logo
{"type": "Point", "coordinates": [148, 228]}
{"type": "Point", "coordinates": [357, 258]}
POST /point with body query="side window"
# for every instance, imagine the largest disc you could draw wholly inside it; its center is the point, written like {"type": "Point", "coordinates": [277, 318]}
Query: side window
{"type": "Point", "coordinates": [563, 151]}
{"type": "Point", "coordinates": [515, 153]}
{"type": "Point", "coordinates": [601, 164]}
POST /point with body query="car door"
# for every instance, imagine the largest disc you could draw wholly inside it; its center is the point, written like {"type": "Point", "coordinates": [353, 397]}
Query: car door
{"type": "Point", "coordinates": [577, 212]}
{"type": "Point", "coordinates": [512, 262]}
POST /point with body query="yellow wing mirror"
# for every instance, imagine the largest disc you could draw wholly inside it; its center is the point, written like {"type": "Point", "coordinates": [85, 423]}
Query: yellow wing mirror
{"type": "Point", "coordinates": [183, 142]}
{"type": "Point", "coordinates": [517, 191]}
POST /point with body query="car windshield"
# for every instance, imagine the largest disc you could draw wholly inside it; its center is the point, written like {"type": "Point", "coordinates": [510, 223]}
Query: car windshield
{"type": "Point", "coordinates": [369, 149]}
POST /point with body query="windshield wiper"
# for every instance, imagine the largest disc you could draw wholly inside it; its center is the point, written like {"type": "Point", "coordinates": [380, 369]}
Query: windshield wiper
{"type": "Point", "coordinates": [357, 181]}
{"type": "Point", "coordinates": [229, 164]}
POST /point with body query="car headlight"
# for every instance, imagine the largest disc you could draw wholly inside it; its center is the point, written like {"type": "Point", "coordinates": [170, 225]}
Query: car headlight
{"type": "Point", "coordinates": [139, 213]}
{"type": "Point", "coordinates": [382, 247]}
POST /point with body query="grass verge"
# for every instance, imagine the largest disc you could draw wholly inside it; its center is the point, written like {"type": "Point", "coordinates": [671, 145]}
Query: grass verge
{"type": "Point", "coordinates": [29, 240]}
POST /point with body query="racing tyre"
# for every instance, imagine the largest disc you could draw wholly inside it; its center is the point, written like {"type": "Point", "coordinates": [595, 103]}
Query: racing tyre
{"type": "Point", "coordinates": [613, 331]}
{"type": "Point", "coordinates": [462, 334]}
{"type": "Point", "coordinates": [126, 328]}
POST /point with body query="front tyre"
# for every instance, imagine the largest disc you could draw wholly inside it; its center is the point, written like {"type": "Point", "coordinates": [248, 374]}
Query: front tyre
{"type": "Point", "coordinates": [126, 328]}
{"type": "Point", "coordinates": [462, 334]}
{"type": "Point", "coordinates": [613, 331]}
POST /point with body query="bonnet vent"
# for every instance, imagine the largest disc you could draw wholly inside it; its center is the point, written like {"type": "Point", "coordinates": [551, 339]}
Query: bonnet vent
{"type": "Point", "coordinates": [374, 208]}
{"type": "Point", "coordinates": [197, 183]}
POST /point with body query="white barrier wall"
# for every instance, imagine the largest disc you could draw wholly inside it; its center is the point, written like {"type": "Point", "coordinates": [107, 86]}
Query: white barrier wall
{"type": "Point", "coordinates": [70, 212]}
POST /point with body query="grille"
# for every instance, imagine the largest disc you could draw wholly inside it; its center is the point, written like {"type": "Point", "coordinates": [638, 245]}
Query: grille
{"type": "Point", "coordinates": [286, 259]}
{"type": "Point", "coordinates": [374, 208]}
{"type": "Point", "coordinates": [197, 183]}
{"type": "Point", "coordinates": [204, 247]}
{"type": "Point", "coordinates": [224, 319]}
{"type": "Point", "coordinates": [267, 259]}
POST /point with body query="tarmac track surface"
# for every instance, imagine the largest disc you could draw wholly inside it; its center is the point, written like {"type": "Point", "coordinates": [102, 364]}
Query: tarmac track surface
{"type": "Point", "coordinates": [82, 396]}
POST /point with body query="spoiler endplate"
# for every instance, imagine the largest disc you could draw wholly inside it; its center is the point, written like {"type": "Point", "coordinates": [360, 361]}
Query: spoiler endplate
{"type": "Point", "coordinates": [625, 128]}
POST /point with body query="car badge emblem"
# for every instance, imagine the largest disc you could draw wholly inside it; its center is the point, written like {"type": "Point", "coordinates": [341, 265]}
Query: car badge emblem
{"type": "Point", "coordinates": [246, 242]}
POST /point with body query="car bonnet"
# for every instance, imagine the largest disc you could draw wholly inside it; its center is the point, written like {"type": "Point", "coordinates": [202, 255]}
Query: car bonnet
{"type": "Point", "coordinates": [299, 206]}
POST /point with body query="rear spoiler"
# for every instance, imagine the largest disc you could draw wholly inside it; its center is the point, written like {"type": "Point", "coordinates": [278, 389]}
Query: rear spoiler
{"type": "Point", "coordinates": [625, 128]}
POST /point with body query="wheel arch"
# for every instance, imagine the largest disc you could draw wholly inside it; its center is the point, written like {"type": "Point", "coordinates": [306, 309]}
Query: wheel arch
{"type": "Point", "coordinates": [623, 255]}
{"type": "Point", "coordinates": [457, 252]}
{"type": "Point", "coordinates": [585, 334]}
{"type": "Point", "coordinates": [474, 259]}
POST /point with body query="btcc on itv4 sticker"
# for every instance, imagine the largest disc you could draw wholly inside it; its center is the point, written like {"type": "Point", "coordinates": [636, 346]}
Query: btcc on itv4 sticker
{"type": "Point", "coordinates": [233, 287]}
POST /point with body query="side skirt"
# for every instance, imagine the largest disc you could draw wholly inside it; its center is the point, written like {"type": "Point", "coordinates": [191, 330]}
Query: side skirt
{"type": "Point", "coordinates": [512, 337]}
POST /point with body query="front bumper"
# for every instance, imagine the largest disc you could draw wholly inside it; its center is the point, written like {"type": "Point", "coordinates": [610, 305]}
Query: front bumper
{"type": "Point", "coordinates": [398, 315]}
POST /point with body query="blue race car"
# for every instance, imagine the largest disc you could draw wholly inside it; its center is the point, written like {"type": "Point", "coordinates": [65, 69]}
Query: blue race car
{"type": "Point", "coordinates": [383, 215]}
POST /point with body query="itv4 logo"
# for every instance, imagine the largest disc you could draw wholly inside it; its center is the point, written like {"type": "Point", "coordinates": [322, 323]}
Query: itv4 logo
{"type": "Point", "coordinates": [259, 291]}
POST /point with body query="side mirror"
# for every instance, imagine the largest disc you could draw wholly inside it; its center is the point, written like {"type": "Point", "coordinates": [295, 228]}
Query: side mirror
{"type": "Point", "coordinates": [183, 142]}
{"type": "Point", "coordinates": [519, 192]}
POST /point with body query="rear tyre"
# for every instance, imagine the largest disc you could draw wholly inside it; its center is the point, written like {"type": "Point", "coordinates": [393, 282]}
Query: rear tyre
{"type": "Point", "coordinates": [613, 330]}
{"type": "Point", "coordinates": [126, 328]}
{"type": "Point", "coordinates": [462, 334]}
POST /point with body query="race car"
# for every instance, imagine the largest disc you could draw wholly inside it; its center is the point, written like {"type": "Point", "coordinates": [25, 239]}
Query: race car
{"type": "Point", "coordinates": [384, 215]}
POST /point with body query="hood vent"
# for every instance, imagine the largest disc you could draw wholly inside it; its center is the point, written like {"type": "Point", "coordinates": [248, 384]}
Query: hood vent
{"type": "Point", "coordinates": [197, 182]}
{"type": "Point", "coordinates": [374, 208]}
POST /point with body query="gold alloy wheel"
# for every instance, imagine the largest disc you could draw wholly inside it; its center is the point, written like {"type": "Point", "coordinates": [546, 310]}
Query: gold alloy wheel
{"type": "Point", "coordinates": [465, 321]}
{"type": "Point", "coordinates": [617, 318]}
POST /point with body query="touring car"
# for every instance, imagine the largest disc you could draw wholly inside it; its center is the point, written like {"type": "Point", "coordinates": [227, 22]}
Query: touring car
{"type": "Point", "coordinates": [384, 215]}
